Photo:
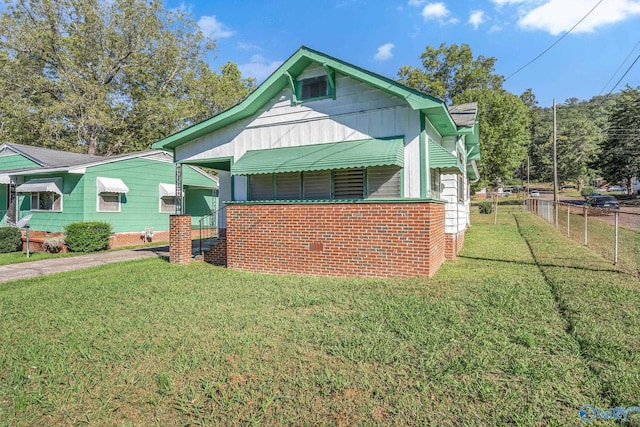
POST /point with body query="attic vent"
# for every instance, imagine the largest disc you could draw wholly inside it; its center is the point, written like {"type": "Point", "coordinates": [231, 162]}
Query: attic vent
{"type": "Point", "coordinates": [315, 87]}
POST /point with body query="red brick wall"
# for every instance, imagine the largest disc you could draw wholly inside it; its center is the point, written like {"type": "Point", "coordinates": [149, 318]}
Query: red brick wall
{"type": "Point", "coordinates": [217, 253]}
{"type": "Point", "coordinates": [180, 239]}
{"type": "Point", "coordinates": [452, 245]}
{"type": "Point", "coordinates": [337, 239]}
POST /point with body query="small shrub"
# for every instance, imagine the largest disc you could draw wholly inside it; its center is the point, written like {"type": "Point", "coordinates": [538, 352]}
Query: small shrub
{"type": "Point", "coordinates": [87, 236]}
{"type": "Point", "coordinates": [586, 191]}
{"type": "Point", "coordinates": [485, 207]}
{"type": "Point", "coordinates": [10, 240]}
{"type": "Point", "coordinates": [53, 244]}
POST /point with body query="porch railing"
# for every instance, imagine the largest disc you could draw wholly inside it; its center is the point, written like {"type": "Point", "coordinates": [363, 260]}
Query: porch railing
{"type": "Point", "coordinates": [208, 226]}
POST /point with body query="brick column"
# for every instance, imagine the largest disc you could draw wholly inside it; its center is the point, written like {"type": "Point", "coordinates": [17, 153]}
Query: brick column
{"type": "Point", "coordinates": [180, 239]}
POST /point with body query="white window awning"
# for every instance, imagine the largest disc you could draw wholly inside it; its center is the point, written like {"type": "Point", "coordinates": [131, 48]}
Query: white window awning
{"type": "Point", "coordinates": [111, 185]}
{"type": "Point", "coordinates": [167, 190]}
{"type": "Point", "coordinates": [41, 185]}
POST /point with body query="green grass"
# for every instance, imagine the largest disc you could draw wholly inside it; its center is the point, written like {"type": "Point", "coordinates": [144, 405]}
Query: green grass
{"type": "Point", "coordinates": [19, 257]}
{"type": "Point", "coordinates": [524, 328]}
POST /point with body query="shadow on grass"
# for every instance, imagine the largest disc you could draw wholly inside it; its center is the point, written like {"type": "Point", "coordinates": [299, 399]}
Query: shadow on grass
{"type": "Point", "coordinates": [607, 270]}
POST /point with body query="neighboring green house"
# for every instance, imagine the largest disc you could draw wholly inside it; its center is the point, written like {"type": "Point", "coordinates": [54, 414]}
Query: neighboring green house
{"type": "Point", "coordinates": [133, 192]}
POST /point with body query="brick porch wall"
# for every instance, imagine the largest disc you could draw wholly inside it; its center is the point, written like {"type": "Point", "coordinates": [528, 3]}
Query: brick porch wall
{"type": "Point", "coordinates": [337, 239]}
{"type": "Point", "coordinates": [217, 253]}
{"type": "Point", "coordinates": [180, 239]}
{"type": "Point", "coordinates": [452, 244]}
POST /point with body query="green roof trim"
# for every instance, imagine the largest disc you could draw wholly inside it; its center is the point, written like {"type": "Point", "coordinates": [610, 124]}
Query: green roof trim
{"type": "Point", "coordinates": [440, 158]}
{"type": "Point", "coordinates": [435, 109]}
{"type": "Point", "coordinates": [336, 155]}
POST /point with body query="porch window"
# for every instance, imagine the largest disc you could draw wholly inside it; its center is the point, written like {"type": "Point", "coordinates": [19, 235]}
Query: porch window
{"type": "Point", "coordinates": [379, 182]}
{"type": "Point", "coordinates": [383, 182]}
{"type": "Point", "coordinates": [261, 187]}
{"type": "Point", "coordinates": [288, 186]}
{"type": "Point", "coordinates": [316, 185]}
{"type": "Point", "coordinates": [435, 183]}
{"type": "Point", "coordinates": [46, 201]}
{"type": "Point", "coordinates": [461, 189]}
{"type": "Point", "coordinates": [348, 183]}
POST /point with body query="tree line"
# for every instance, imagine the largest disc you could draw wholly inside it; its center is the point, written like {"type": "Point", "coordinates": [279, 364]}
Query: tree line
{"type": "Point", "coordinates": [110, 77]}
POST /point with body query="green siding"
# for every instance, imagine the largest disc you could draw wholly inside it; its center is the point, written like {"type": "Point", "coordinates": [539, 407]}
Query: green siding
{"type": "Point", "coordinates": [140, 207]}
{"type": "Point", "coordinates": [72, 204]}
{"type": "Point", "coordinates": [16, 161]}
{"type": "Point", "coordinates": [198, 202]}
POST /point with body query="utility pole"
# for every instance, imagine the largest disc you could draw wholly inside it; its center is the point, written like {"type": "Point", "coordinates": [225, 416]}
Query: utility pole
{"type": "Point", "coordinates": [556, 196]}
{"type": "Point", "coordinates": [528, 166]}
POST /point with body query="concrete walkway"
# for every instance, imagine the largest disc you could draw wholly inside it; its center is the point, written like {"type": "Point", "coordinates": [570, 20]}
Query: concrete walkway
{"type": "Point", "coordinates": [26, 270]}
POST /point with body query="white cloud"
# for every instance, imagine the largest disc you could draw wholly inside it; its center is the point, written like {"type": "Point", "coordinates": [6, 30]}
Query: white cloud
{"type": "Point", "coordinates": [384, 52]}
{"type": "Point", "coordinates": [436, 11]}
{"type": "Point", "coordinates": [259, 67]}
{"type": "Point", "coordinates": [476, 18]}
{"type": "Point", "coordinates": [557, 16]}
{"type": "Point", "coordinates": [213, 28]}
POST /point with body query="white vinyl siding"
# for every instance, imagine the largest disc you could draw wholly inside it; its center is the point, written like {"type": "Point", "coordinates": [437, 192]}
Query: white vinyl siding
{"type": "Point", "coordinates": [348, 183]}
{"type": "Point", "coordinates": [317, 185]}
{"type": "Point", "coordinates": [288, 186]}
{"type": "Point", "coordinates": [261, 187]}
{"type": "Point", "coordinates": [108, 202]}
{"type": "Point", "coordinates": [383, 182]}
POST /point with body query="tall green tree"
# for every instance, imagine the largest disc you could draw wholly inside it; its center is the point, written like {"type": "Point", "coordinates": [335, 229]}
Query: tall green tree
{"type": "Point", "coordinates": [105, 76]}
{"type": "Point", "coordinates": [620, 158]}
{"type": "Point", "coordinates": [448, 71]}
{"type": "Point", "coordinates": [453, 74]}
{"type": "Point", "coordinates": [504, 131]}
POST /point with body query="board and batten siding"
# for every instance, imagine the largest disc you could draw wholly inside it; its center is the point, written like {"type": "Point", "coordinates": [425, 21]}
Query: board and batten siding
{"type": "Point", "coordinates": [359, 111]}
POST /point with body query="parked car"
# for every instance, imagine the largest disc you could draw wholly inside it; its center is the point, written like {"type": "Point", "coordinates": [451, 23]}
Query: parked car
{"type": "Point", "coordinates": [603, 202]}
{"type": "Point", "coordinates": [616, 188]}
{"type": "Point", "coordinates": [534, 193]}
{"type": "Point", "coordinates": [506, 192]}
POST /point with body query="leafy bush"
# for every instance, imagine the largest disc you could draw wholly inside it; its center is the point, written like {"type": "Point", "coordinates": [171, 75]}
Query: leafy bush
{"type": "Point", "coordinates": [53, 244]}
{"type": "Point", "coordinates": [586, 191]}
{"type": "Point", "coordinates": [87, 236]}
{"type": "Point", "coordinates": [485, 207]}
{"type": "Point", "coordinates": [10, 240]}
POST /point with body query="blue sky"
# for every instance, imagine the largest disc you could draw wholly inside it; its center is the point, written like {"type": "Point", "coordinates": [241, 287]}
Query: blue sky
{"type": "Point", "coordinates": [382, 35]}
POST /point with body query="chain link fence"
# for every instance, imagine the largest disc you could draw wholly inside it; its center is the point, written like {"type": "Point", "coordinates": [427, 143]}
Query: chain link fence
{"type": "Point", "coordinates": [613, 233]}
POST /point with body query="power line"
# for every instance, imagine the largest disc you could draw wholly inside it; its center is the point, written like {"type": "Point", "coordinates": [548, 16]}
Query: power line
{"type": "Point", "coordinates": [554, 43]}
{"type": "Point", "coordinates": [620, 66]}
{"type": "Point", "coordinates": [624, 75]}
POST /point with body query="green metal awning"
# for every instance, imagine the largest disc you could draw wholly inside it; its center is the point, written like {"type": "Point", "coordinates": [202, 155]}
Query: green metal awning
{"type": "Point", "coordinates": [440, 158]}
{"type": "Point", "coordinates": [337, 155]}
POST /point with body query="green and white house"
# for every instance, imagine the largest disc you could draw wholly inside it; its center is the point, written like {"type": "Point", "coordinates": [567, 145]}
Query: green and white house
{"type": "Point", "coordinates": [134, 192]}
{"type": "Point", "coordinates": [321, 137]}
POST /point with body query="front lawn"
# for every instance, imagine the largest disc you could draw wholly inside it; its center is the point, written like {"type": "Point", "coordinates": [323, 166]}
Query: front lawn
{"type": "Point", "coordinates": [524, 328]}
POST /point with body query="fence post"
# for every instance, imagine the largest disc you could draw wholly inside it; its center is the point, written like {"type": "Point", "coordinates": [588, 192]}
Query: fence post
{"type": "Point", "coordinates": [615, 241]}
{"type": "Point", "coordinates": [568, 219]}
{"type": "Point", "coordinates": [586, 213]}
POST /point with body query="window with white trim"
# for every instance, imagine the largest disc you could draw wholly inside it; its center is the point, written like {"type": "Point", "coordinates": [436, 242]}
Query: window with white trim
{"type": "Point", "coordinates": [435, 183]}
{"type": "Point", "coordinates": [46, 201]}
{"type": "Point", "coordinates": [168, 204]}
{"type": "Point", "coordinates": [108, 202]}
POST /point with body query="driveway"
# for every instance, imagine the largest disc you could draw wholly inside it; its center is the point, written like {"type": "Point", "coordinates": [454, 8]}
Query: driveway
{"type": "Point", "coordinates": [26, 270]}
